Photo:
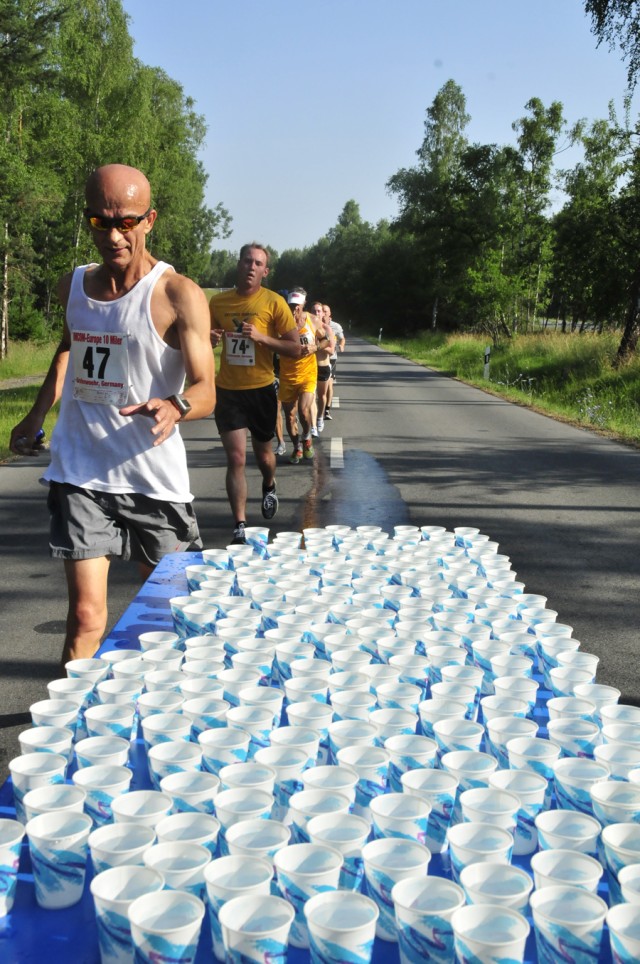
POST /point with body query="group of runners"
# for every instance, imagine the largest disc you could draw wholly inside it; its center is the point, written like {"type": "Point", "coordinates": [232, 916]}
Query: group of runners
{"type": "Point", "coordinates": [135, 334]}
{"type": "Point", "coordinates": [255, 327]}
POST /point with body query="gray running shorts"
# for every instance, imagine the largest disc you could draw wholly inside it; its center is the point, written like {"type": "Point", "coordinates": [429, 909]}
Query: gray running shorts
{"type": "Point", "coordinates": [87, 524]}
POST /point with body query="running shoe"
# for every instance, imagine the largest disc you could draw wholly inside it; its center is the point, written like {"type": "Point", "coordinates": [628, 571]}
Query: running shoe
{"type": "Point", "coordinates": [328, 414]}
{"type": "Point", "coordinates": [239, 538]}
{"type": "Point", "coordinates": [314, 431]}
{"type": "Point", "coordinates": [296, 457]}
{"type": "Point", "coordinates": [282, 448]}
{"type": "Point", "coordinates": [269, 502]}
{"type": "Point", "coordinates": [308, 452]}
{"type": "Point", "coordinates": [320, 425]}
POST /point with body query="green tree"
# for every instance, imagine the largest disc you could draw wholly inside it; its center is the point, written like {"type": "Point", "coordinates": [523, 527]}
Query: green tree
{"type": "Point", "coordinates": [424, 192]}
{"type": "Point", "coordinates": [617, 23]}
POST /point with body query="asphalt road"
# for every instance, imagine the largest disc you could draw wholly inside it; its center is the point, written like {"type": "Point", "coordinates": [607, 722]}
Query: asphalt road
{"type": "Point", "coordinates": [406, 445]}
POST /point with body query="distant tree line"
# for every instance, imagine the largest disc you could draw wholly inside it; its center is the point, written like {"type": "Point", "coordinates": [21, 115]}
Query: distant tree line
{"type": "Point", "coordinates": [476, 245]}
{"type": "Point", "coordinates": [74, 97]}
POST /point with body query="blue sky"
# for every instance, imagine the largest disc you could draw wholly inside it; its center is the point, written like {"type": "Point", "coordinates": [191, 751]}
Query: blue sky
{"type": "Point", "coordinates": [311, 104]}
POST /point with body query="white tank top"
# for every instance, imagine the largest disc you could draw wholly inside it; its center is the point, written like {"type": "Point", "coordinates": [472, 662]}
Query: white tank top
{"type": "Point", "coordinates": [117, 358]}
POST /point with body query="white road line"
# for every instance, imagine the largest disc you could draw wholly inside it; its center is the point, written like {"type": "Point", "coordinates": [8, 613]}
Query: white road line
{"type": "Point", "coordinates": [335, 402]}
{"type": "Point", "coordinates": [336, 456]}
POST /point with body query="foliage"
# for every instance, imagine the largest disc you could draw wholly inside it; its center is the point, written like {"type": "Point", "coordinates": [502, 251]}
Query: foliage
{"type": "Point", "coordinates": [617, 22]}
{"type": "Point", "coordinates": [75, 97]}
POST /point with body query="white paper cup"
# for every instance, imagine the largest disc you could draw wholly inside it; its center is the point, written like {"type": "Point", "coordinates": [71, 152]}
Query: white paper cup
{"type": "Point", "coordinates": [251, 924]}
{"type": "Point", "coordinates": [265, 697]}
{"type": "Point", "coordinates": [56, 796]}
{"type": "Point", "coordinates": [533, 753]}
{"type": "Point", "coordinates": [222, 746]}
{"type": "Point", "coordinates": [257, 838]}
{"type": "Point", "coordinates": [489, 934]}
{"type": "Point", "coordinates": [624, 933]}
{"type": "Point", "coordinates": [163, 679]}
{"type": "Point", "coordinates": [531, 790]}
{"type": "Point", "coordinates": [342, 926]}
{"type": "Point", "coordinates": [119, 690]}
{"type": "Point", "coordinates": [31, 770]}
{"type": "Point", "coordinates": [371, 763]}
{"type": "Point", "coordinates": [408, 752]}
{"type": "Point", "coordinates": [490, 805]}
{"type": "Point", "coordinates": [439, 789]}
{"type": "Point", "coordinates": [113, 892]}
{"type": "Point", "coordinates": [102, 784]}
{"type": "Point", "coordinates": [233, 806]}
{"type": "Point", "coordinates": [256, 721]}
{"type": "Point", "coordinates": [166, 924]}
{"type": "Point", "coordinates": [566, 867]}
{"type": "Point", "coordinates": [621, 760]}
{"type": "Point", "coordinates": [567, 916]}
{"type": "Point", "coordinates": [250, 775]}
{"type": "Point", "coordinates": [159, 701]}
{"type": "Point", "coordinates": [431, 710]}
{"type": "Point", "coordinates": [189, 827]}
{"type": "Point", "coordinates": [567, 830]}
{"type": "Point", "coordinates": [387, 861]}
{"type": "Point", "coordinates": [347, 833]}
{"type": "Point", "coordinates": [615, 801]}
{"type": "Point", "coordinates": [573, 778]}
{"type": "Point", "coordinates": [176, 756]}
{"type": "Point", "coordinates": [191, 791]}
{"type": "Point", "coordinates": [141, 806]}
{"type": "Point", "coordinates": [575, 737]}
{"type": "Point", "coordinates": [302, 737]}
{"type": "Point", "coordinates": [493, 706]}
{"type": "Point", "coordinates": [621, 734]}
{"type": "Point", "coordinates": [335, 777]}
{"type": "Point", "coordinates": [302, 871]}
{"type": "Point", "coordinates": [94, 669]}
{"type": "Point", "coordinates": [47, 739]}
{"type": "Point", "coordinates": [306, 804]}
{"type": "Point", "coordinates": [400, 815]}
{"type": "Point", "coordinates": [181, 863]}
{"type": "Point", "coordinates": [288, 763]}
{"type": "Point", "coordinates": [158, 639]}
{"type": "Point", "coordinates": [163, 727]}
{"type": "Point", "coordinates": [102, 750]}
{"type": "Point", "coordinates": [227, 878]}
{"type": "Point", "coordinates": [423, 910]}
{"type": "Point", "coordinates": [497, 884]}
{"type": "Point", "coordinates": [54, 713]}
{"type": "Point", "coordinates": [117, 844]}
{"type": "Point", "coordinates": [11, 837]}
{"type": "Point", "coordinates": [629, 881]}
{"type": "Point", "coordinates": [471, 843]}
{"type": "Point", "coordinates": [621, 847]}
{"type": "Point", "coordinates": [110, 719]}
{"type": "Point", "coordinates": [500, 730]}
{"type": "Point", "coordinates": [58, 843]}
{"type": "Point", "coordinates": [455, 734]}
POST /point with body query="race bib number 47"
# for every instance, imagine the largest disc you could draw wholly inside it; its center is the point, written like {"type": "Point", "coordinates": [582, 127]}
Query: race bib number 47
{"type": "Point", "coordinates": [238, 349]}
{"type": "Point", "coordinates": [100, 367]}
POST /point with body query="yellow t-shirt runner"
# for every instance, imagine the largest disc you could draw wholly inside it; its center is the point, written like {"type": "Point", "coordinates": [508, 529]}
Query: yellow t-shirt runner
{"type": "Point", "coordinates": [245, 364]}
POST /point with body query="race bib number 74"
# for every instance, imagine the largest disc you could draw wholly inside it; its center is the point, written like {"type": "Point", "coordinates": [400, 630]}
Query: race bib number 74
{"type": "Point", "coordinates": [238, 349]}
{"type": "Point", "coordinates": [100, 367]}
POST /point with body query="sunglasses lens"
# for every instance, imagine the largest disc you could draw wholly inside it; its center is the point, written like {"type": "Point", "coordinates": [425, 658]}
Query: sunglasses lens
{"type": "Point", "coordinates": [120, 224]}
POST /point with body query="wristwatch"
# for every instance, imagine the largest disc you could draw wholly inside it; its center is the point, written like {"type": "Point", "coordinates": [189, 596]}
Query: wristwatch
{"type": "Point", "coordinates": [181, 403]}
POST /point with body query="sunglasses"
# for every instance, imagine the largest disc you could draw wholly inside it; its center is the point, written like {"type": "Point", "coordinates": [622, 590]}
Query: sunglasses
{"type": "Point", "coordinates": [128, 223]}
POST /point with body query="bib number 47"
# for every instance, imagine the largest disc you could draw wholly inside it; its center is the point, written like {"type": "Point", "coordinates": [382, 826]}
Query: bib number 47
{"type": "Point", "coordinates": [90, 361]}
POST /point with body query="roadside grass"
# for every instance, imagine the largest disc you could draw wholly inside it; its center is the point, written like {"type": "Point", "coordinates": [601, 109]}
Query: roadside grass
{"type": "Point", "coordinates": [569, 376]}
{"type": "Point", "coordinates": [25, 359]}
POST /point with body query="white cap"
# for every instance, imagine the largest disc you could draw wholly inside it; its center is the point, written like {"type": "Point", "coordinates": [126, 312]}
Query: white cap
{"type": "Point", "coordinates": [295, 298]}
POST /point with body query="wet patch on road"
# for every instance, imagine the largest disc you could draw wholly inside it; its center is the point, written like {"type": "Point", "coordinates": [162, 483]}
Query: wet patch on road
{"type": "Point", "coordinates": [357, 494]}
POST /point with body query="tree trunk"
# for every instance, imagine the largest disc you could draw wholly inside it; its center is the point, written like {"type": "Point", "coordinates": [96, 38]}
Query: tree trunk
{"type": "Point", "coordinates": [4, 321]}
{"type": "Point", "coordinates": [631, 333]}
{"type": "Point", "coordinates": [434, 313]}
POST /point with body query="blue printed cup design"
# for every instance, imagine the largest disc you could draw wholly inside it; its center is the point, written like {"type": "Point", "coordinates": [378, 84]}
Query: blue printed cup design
{"type": "Point", "coordinates": [302, 871]}
{"type": "Point", "coordinates": [58, 843]}
{"type": "Point", "coordinates": [112, 922]}
{"type": "Point", "coordinates": [11, 836]}
{"type": "Point", "coordinates": [31, 770]}
{"type": "Point", "coordinates": [573, 779]}
{"type": "Point", "coordinates": [473, 842]}
{"type": "Point", "coordinates": [166, 926]}
{"type": "Point", "coordinates": [341, 927]}
{"type": "Point", "coordinates": [493, 935]}
{"type": "Point", "coordinates": [255, 929]}
{"type": "Point", "coordinates": [624, 933]}
{"type": "Point", "coordinates": [423, 911]}
{"type": "Point", "coordinates": [386, 862]}
{"type": "Point", "coordinates": [223, 746]}
{"type": "Point", "coordinates": [229, 877]}
{"type": "Point", "coordinates": [621, 847]}
{"type": "Point", "coordinates": [568, 924]}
